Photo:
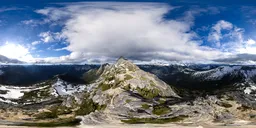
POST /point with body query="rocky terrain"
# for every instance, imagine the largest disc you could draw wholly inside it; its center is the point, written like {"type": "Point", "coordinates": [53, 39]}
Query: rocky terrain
{"type": "Point", "coordinates": [134, 96]}
{"type": "Point", "coordinates": [122, 93]}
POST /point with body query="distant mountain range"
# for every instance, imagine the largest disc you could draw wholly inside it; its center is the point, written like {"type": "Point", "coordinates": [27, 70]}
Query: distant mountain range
{"type": "Point", "coordinates": [6, 60]}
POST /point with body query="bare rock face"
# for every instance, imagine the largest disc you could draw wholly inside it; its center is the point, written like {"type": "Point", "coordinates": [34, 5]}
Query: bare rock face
{"type": "Point", "coordinates": [128, 92]}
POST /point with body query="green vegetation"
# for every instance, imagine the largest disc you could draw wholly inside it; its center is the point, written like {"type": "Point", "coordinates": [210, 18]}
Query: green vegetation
{"type": "Point", "coordinates": [128, 100]}
{"type": "Point", "coordinates": [154, 120]}
{"type": "Point", "coordinates": [3, 91]}
{"type": "Point", "coordinates": [120, 71]}
{"type": "Point", "coordinates": [128, 77]}
{"type": "Point", "coordinates": [223, 104]}
{"type": "Point", "coordinates": [101, 107]}
{"type": "Point", "coordinates": [148, 93]}
{"type": "Point", "coordinates": [243, 108]}
{"type": "Point", "coordinates": [152, 83]}
{"type": "Point", "coordinates": [143, 78]}
{"type": "Point", "coordinates": [131, 67]}
{"type": "Point", "coordinates": [36, 94]}
{"type": "Point", "coordinates": [127, 87]}
{"type": "Point", "coordinates": [161, 101]}
{"type": "Point", "coordinates": [46, 115]}
{"type": "Point", "coordinates": [87, 106]}
{"type": "Point", "coordinates": [230, 98]}
{"type": "Point", "coordinates": [145, 106]}
{"type": "Point", "coordinates": [60, 110]}
{"type": "Point", "coordinates": [110, 77]}
{"type": "Point", "coordinates": [90, 76]}
{"type": "Point", "coordinates": [57, 123]}
{"type": "Point", "coordinates": [117, 82]}
{"type": "Point", "coordinates": [160, 110]}
{"type": "Point", "coordinates": [104, 86]}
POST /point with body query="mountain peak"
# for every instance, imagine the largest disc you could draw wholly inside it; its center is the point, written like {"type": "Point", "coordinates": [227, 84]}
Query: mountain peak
{"type": "Point", "coordinates": [123, 87]}
{"type": "Point", "coordinates": [123, 63]}
{"type": "Point", "coordinates": [121, 58]}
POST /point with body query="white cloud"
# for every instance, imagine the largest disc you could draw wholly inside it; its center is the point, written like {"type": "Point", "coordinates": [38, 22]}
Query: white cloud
{"type": "Point", "coordinates": [35, 43]}
{"type": "Point", "coordinates": [137, 31]}
{"type": "Point", "coordinates": [216, 35]}
{"type": "Point", "coordinates": [34, 22]}
{"type": "Point", "coordinates": [16, 51]}
{"type": "Point", "coordinates": [9, 9]}
{"type": "Point", "coordinates": [228, 38]}
{"type": "Point", "coordinates": [241, 51]}
{"type": "Point", "coordinates": [48, 37]}
{"type": "Point", "coordinates": [248, 47]}
{"type": "Point", "coordinates": [27, 22]}
{"type": "Point", "coordinates": [222, 25]}
{"type": "Point", "coordinates": [60, 49]}
{"type": "Point", "coordinates": [30, 22]}
{"type": "Point", "coordinates": [250, 42]}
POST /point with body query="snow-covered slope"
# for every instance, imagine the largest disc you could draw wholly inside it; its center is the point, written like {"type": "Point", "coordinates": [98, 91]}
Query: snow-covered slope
{"type": "Point", "coordinates": [64, 88]}
{"type": "Point", "coordinates": [39, 92]}
{"type": "Point", "coordinates": [222, 71]}
{"type": "Point", "coordinates": [217, 73]}
{"type": "Point", "coordinates": [10, 93]}
{"type": "Point", "coordinates": [250, 89]}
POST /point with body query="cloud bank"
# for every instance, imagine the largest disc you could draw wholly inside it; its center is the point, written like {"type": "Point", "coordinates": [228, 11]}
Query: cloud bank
{"type": "Point", "coordinates": [134, 30]}
{"type": "Point", "coordinates": [16, 51]}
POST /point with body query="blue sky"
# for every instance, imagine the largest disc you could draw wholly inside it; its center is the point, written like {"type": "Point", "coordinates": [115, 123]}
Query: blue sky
{"type": "Point", "coordinates": [65, 31]}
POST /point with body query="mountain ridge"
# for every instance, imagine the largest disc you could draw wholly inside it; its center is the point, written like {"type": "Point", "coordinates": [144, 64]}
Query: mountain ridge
{"type": "Point", "coordinates": [6, 60]}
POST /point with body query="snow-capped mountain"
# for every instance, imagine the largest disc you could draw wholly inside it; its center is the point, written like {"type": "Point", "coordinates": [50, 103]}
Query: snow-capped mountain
{"type": "Point", "coordinates": [217, 73]}
{"type": "Point", "coordinates": [208, 77]}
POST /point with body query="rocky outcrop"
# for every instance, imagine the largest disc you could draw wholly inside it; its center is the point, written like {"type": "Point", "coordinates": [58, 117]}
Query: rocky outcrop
{"type": "Point", "coordinates": [131, 95]}
{"type": "Point", "coordinates": [127, 92]}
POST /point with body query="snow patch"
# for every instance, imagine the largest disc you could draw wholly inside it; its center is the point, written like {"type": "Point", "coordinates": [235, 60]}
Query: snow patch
{"type": "Point", "coordinates": [59, 88]}
{"type": "Point", "coordinates": [12, 92]}
{"type": "Point", "coordinates": [63, 88]}
{"type": "Point", "coordinates": [248, 90]}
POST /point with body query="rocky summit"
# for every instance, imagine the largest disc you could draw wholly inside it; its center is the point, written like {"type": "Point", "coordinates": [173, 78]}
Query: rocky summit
{"type": "Point", "coordinates": [123, 93]}
{"type": "Point", "coordinates": [127, 93]}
